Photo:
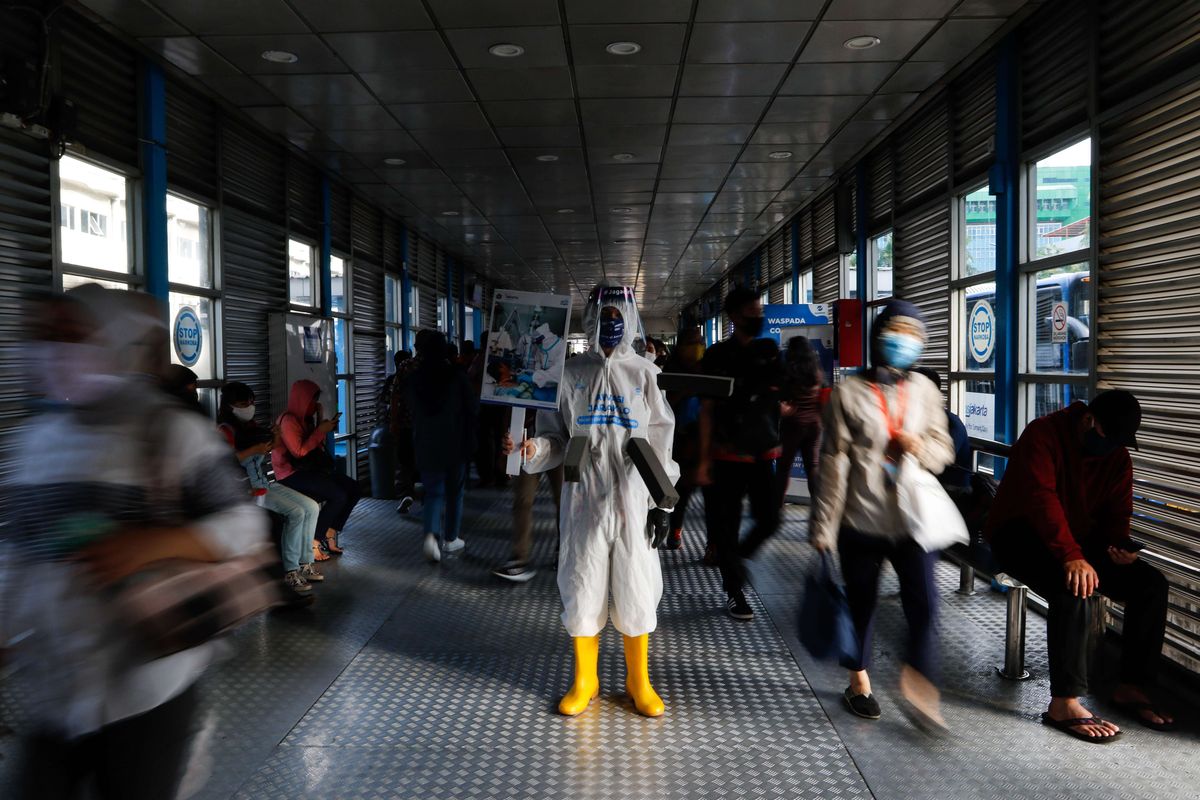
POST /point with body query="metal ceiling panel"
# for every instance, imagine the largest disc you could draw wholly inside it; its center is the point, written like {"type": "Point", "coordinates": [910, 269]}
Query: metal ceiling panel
{"type": "Point", "coordinates": [757, 10]}
{"type": "Point", "coordinates": [474, 14]}
{"type": "Point", "coordinates": [364, 15]}
{"type": "Point", "coordinates": [374, 141]}
{"type": "Point", "coordinates": [642, 155]}
{"type": "Point", "coordinates": [544, 46]}
{"type": "Point", "coordinates": [689, 185]}
{"type": "Point", "coordinates": [521, 84]}
{"type": "Point", "coordinates": [897, 40]}
{"type": "Point", "coordinates": [813, 108]}
{"type": "Point", "coordinates": [709, 134]}
{"type": "Point", "coordinates": [391, 51]}
{"type": "Point", "coordinates": [311, 90]}
{"type": "Point", "coordinates": [440, 116]}
{"type": "Point", "coordinates": [626, 136]}
{"type": "Point", "coordinates": [956, 39]}
{"type": "Point", "coordinates": [191, 55]}
{"type": "Point", "coordinates": [767, 153]}
{"type": "Point", "coordinates": [590, 11]}
{"type": "Point", "coordinates": [888, 9]}
{"type": "Point", "coordinates": [682, 171]}
{"type": "Point", "coordinates": [522, 113]}
{"type": "Point", "coordinates": [722, 80]}
{"type": "Point", "coordinates": [885, 106]}
{"type": "Point", "coordinates": [703, 110]}
{"type": "Point", "coordinates": [456, 139]}
{"type": "Point", "coordinates": [661, 44]}
{"type": "Point", "coordinates": [349, 118]}
{"type": "Point", "coordinates": [915, 76]}
{"type": "Point", "coordinates": [707, 154]}
{"type": "Point", "coordinates": [837, 79]}
{"type": "Point", "coordinates": [647, 80]}
{"type": "Point", "coordinates": [546, 136]}
{"type": "Point", "coordinates": [242, 17]}
{"type": "Point", "coordinates": [418, 86]}
{"type": "Point", "coordinates": [988, 8]}
{"type": "Point", "coordinates": [279, 119]}
{"type": "Point", "coordinates": [746, 42]}
{"type": "Point", "coordinates": [567, 160]}
{"type": "Point", "coordinates": [469, 158]}
{"type": "Point", "coordinates": [794, 133]}
{"type": "Point", "coordinates": [240, 90]}
{"type": "Point", "coordinates": [626, 111]}
{"type": "Point", "coordinates": [135, 19]}
{"type": "Point", "coordinates": [245, 52]}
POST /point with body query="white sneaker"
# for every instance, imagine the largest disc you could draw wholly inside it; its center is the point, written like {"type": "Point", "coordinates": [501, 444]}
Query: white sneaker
{"type": "Point", "coordinates": [455, 545]}
{"type": "Point", "coordinates": [431, 549]}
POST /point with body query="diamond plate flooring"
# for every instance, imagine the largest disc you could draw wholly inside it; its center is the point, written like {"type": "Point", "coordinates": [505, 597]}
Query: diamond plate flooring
{"type": "Point", "coordinates": [408, 680]}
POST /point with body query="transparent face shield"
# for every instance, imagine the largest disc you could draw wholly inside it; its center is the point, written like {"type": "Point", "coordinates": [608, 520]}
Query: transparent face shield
{"type": "Point", "coordinates": [620, 298]}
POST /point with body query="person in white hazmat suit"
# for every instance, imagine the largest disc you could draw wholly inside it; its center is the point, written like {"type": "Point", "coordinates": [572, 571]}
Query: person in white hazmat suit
{"type": "Point", "coordinates": [549, 353]}
{"type": "Point", "coordinates": [610, 526]}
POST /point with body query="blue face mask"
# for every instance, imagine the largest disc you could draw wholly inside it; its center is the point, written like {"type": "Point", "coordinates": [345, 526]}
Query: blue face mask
{"type": "Point", "coordinates": [612, 331]}
{"type": "Point", "coordinates": [900, 350]}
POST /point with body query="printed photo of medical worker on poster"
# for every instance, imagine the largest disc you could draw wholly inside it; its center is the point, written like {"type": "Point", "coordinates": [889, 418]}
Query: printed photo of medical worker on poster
{"type": "Point", "coordinates": [526, 349]}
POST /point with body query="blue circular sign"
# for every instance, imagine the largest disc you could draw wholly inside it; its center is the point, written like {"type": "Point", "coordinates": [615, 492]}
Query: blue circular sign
{"type": "Point", "coordinates": [981, 333]}
{"type": "Point", "coordinates": [189, 338]}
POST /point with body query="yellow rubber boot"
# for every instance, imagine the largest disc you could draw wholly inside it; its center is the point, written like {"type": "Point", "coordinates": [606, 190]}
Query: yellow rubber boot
{"type": "Point", "coordinates": [637, 676]}
{"type": "Point", "coordinates": [587, 682]}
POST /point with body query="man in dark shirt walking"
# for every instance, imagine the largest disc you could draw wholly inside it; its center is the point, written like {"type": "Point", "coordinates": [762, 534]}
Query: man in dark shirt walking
{"type": "Point", "coordinates": [739, 442]}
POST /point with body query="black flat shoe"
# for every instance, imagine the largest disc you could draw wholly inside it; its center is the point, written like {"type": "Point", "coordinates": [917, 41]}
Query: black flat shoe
{"type": "Point", "coordinates": [861, 705]}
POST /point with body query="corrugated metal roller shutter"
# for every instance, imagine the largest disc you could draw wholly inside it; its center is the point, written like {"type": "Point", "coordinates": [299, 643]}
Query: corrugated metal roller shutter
{"type": "Point", "coordinates": [427, 261]}
{"type": "Point", "coordinates": [825, 280]}
{"type": "Point", "coordinates": [779, 254]}
{"type": "Point", "coordinates": [974, 118]}
{"type": "Point", "coordinates": [879, 188]}
{"type": "Point", "coordinates": [923, 157]}
{"type": "Point", "coordinates": [303, 198]}
{"type": "Point", "coordinates": [922, 264]}
{"type": "Point", "coordinates": [369, 346]}
{"type": "Point", "coordinates": [393, 243]}
{"type": "Point", "coordinates": [366, 230]}
{"type": "Point", "coordinates": [26, 259]}
{"type": "Point", "coordinates": [804, 237]}
{"type": "Point", "coordinates": [412, 256]}
{"type": "Point", "coordinates": [1142, 43]}
{"type": "Point", "coordinates": [824, 224]}
{"type": "Point", "coordinates": [1149, 331]}
{"type": "Point", "coordinates": [443, 273]}
{"type": "Point", "coordinates": [192, 134]}
{"type": "Point", "coordinates": [775, 292]}
{"type": "Point", "coordinates": [339, 217]}
{"type": "Point", "coordinates": [1054, 71]}
{"type": "Point", "coordinates": [253, 261]}
{"type": "Point", "coordinates": [253, 173]}
{"type": "Point", "coordinates": [99, 75]}
{"type": "Point", "coordinates": [427, 311]}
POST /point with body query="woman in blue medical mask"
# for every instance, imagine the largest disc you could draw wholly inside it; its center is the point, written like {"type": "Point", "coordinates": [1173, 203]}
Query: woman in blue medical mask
{"type": "Point", "coordinates": [871, 423]}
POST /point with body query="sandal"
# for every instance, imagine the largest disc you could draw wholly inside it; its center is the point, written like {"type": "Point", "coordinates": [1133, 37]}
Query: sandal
{"type": "Point", "coordinates": [331, 545]}
{"type": "Point", "coordinates": [319, 553]}
{"type": "Point", "coordinates": [1137, 709]}
{"type": "Point", "coordinates": [1069, 726]}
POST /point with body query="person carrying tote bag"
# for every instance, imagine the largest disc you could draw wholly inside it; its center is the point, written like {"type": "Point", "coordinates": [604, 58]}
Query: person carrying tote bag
{"type": "Point", "coordinates": [884, 431]}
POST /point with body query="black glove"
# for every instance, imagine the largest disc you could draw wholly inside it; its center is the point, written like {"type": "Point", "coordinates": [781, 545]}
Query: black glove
{"type": "Point", "coordinates": [658, 525]}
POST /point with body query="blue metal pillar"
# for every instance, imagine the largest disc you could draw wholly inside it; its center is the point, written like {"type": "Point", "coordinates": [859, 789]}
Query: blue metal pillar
{"type": "Point", "coordinates": [1004, 181]}
{"type": "Point", "coordinates": [795, 234]}
{"type": "Point", "coordinates": [154, 180]}
{"type": "Point", "coordinates": [326, 249]}
{"type": "Point", "coordinates": [405, 292]}
{"type": "Point", "coordinates": [860, 251]}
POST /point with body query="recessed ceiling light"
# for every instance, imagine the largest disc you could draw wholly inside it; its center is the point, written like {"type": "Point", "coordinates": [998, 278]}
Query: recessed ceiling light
{"type": "Point", "coordinates": [565, 211]}
{"type": "Point", "coordinates": [621, 210]}
{"type": "Point", "coordinates": [618, 241]}
{"type": "Point", "coordinates": [506, 50]}
{"type": "Point", "coordinates": [780, 155]}
{"type": "Point", "coordinates": [450, 213]}
{"type": "Point", "coordinates": [861, 42]}
{"type": "Point", "coordinates": [279, 57]}
{"type": "Point", "coordinates": [622, 156]}
{"type": "Point", "coordinates": [547, 157]}
{"type": "Point", "coordinates": [623, 48]}
{"type": "Point", "coordinates": [395, 162]}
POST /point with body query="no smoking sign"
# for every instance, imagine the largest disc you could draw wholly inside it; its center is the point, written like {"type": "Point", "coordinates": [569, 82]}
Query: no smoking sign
{"type": "Point", "coordinates": [1058, 323]}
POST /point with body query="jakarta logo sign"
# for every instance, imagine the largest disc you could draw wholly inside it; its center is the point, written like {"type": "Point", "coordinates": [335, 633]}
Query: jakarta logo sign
{"type": "Point", "coordinates": [188, 338]}
{"type": "Point", "coordinates": [981, 335]}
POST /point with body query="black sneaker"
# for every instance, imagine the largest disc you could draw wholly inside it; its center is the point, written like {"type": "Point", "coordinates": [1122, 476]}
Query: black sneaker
{"type": "Point", "coordinates": [515, 571]}
{"type": "Point", "coordinates": [862, 705]}
{"type": "Point", "coordinates": [404, 505]}
{"type": "Point", "coordinates": [738, 607]}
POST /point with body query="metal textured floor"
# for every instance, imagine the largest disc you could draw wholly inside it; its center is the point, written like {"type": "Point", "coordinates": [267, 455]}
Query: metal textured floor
{"type": "Point", "coordinates": [408, 680]}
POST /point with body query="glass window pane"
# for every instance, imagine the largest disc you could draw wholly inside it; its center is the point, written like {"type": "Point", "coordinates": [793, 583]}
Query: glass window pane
{"type": "Point", "coordinates": [979, 232]}
{"type": "Point", "coordinates": [92, 210]}
{"type": "Point", "coordinates": [337, 271]}
{"type": "Point", "coordinates": [390, 293]}
{"type": "Point", "coordinates": [1050, 397]}
{"type": "Point", "coordinates": [806, 286]}
{"type": "Point", "coordinates": [345, 421]}
{"type": "Point", "coordinates": [191, 334]}
{"type": "Point", "coordinates": [850, 290]}
{"type": "Point", "coordinates": [1060, 315]}
{"type": "Point", "coordinates": [340, 330]}
{"type": "Point", "coordinates": [71, 281]}
{"type": "Point", "coordinates": [393, 346]}
{"type": "Point", "coordinates": [301, 278]}
{"type": "Point", "coordinates": [1062, 201]}
{"type": "Point", "coordinates": [980, 332]}
{"type": "Point", "coordinates": [188, 260]}
{"type": "Point", "coordinates": [881, 265]}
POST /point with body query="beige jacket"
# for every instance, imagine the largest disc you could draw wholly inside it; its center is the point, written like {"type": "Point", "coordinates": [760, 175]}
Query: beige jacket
{"type": "Point", "coordinates": [854, 492]}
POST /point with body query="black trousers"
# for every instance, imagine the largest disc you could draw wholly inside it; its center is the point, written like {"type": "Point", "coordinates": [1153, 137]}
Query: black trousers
{"type": "Point", "coordinates": [339, 493]}
{"type": "Point", "coordinates": [1019, 552]}
{"type": "Point", "coordinates": [406, 464]}
{"type": "Point", "coordinates": [140, 758]}
{"type": "Point", "coordinates": [732, 481]}
{"type": "Point", "coordinates": [862, 556]}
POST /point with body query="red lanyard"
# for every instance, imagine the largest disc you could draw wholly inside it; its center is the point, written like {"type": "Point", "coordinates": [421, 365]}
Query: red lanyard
{"type": "Point", "coordinates": [896, 424]}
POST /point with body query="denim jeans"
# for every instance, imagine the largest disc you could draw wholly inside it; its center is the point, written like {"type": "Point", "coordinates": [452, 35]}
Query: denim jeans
{"type": "Point", "coordinates": [444, 494]}
{"type": "Point", "coordinates": [300, 523]}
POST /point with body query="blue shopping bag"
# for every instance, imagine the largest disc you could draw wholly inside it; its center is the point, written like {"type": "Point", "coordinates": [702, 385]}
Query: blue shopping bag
{"type": "Point", "coordinates": [825, 627]}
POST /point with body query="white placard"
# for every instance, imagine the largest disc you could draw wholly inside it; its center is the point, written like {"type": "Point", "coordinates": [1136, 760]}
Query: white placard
{"type": "Point", "coordinates": [526, 349]}
{"type": "Point", "coordinates": [979, 415]}
{"type": "Point", "coordinates": [981, 331]}
{"type": "Point", "coordinates": [1058, 323]}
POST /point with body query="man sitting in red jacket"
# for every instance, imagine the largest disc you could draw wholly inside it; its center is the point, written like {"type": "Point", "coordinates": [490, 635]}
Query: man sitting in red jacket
{"type": "Point", "coordinates": [1060, 525]}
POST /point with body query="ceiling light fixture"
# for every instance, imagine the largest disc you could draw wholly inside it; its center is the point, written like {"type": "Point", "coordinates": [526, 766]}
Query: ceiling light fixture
{"type": "Point", "coordinates": [450, 213]}
{"type": "Point", "coordinates": [623, 156]}
{"type": "Point", "coordinates": [506, 50]}
{"type": "Point", "coordinates": [861, 42]}
{"type": "Point", "coordinates": [279, 57]}
{"type": "Point", "coordinates": [621, 210]}
{"type": "Point", "coordinates": [780, 155]}
{"type": "Point", "coordinates": [547, 157]}
{"type": "Point", "coordinates": [395, 162]}
{"type": "Point", "coordinates": [623, 48]}
{"type": "Point", "coordinates": [565, 211]}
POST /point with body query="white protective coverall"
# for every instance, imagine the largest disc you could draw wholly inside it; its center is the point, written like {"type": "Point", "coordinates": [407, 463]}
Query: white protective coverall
{"type": "Point", "coordinates": [603, 517]}
{"type": "Point", "coordinates": [548, 357]}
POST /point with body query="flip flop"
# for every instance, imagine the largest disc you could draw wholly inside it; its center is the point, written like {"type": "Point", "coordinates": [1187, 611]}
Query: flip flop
{"type": "Point", "coordinates": [1068, 726]}
{"type": "Point", "coordinates": [1134, 708]}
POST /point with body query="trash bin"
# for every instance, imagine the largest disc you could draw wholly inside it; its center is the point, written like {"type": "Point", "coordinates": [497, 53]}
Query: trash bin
{"type": "Point", "coordinates": [381, 453]}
